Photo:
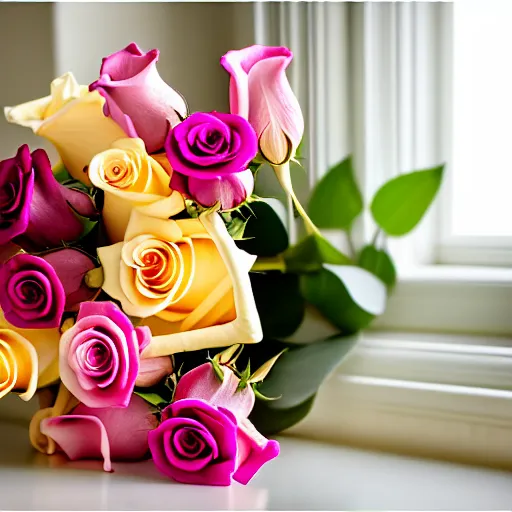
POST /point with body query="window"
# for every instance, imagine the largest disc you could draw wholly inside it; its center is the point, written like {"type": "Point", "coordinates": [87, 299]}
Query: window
{"type": "Point", "coordinates": [478, 210]}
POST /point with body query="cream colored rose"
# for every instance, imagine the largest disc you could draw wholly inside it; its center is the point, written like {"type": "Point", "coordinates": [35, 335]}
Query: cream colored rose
{"type": "Point", "coordinates": [72, 119]}
{"type": "Point", "coordinates": [131, 179]}
{"type": "Point", "coordinates": [28, 359]}
{"type": "Point", "coordinates": [187, 279]}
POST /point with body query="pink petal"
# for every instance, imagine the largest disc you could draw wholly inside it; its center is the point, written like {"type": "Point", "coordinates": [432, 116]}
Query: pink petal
{"type": "Point", "coordinates": [254, 450]}
{"type": "Point", "coordinates": [79, 437]}
{"type": "Point", "coordinates": [202, 383]}
{"type": "Point", "coordinates": [153, 370]}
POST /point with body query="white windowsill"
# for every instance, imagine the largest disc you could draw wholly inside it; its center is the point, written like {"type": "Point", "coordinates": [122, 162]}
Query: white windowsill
{"type": "Point", "coordinates": [306, 476]}
{"type": "Point", "coordinates": [440, 396]}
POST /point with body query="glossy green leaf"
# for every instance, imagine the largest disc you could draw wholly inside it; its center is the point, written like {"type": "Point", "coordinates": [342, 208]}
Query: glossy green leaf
{"type": "Point", "coordinates": [379, 263]}
{"type": "Point", "coordinates": [311, 253]}
{"type": "Point", "coordinates": [279, 302]}
{"type": "Point", "coordinates": [399, 205]}
{"type": "Point", "coordinates": [265, 233]}
{"type": "Point", "coordinates": [60, 173]}
{"type": "Point", "coordinates": [336, 200]}
{"type": "Point", "coordinates": [300, 371]}
{"type": "Point", "coordinates": [350, 297]}
{"type": "Point", "coordinates": [272, 421]}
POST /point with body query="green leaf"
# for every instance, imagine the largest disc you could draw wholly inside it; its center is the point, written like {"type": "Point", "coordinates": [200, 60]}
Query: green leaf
{"type": "Point", "coordinates": [400, 204]}
{"type": "Point", "coordinates": [379, 263]}
{"type": "Point", "coordinates": [350, 297]}
{"type": "Point", "coordinates": [311, 253]}
{"type": "Point", "coordinates": [265, 232]}
{"type": "Point", "coordinates": [152, 398]}
{"type": "Point", "coordinates": [280, 313]}
{"type": "Point", "coordinates": [236, 228]}
{"type": "Point", "coordinates": [60, 173]}
{"type": "Point", "coordinates": [336, 200]}
{"type": "Point", "coordinates": [272, 421]}
{"type": "Point", "coordinates": [300, 371]}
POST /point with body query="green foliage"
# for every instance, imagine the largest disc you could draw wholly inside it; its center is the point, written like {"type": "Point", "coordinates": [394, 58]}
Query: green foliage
{"type": "Point", "coordinates": [265, 232]}
{"type": "Point", "coordinates": [336, 200]}
{"type": "Point", "coordinates": [311, 252]}
{"type": "Point", "coordinates": [272, 421]}
{"type": "Point", "coordinates": [280, 305]}
{"type": "Point", "coordinates": [152, 398]}
{"type": "Point", "coordinates": [379, 263]}
{"type": "Point", "coordinates": [299, 372]}
{"type": "Point", "coordinates": [399, 205]}
{"type": "Point", "coordinates": [350, 297]}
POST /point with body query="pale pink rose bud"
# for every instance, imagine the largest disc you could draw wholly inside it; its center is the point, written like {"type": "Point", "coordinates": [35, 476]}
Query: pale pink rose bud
{"type": "Point", "coordinates": [153, 370]}
{"type": "Point", "coordinates": [260, 92]}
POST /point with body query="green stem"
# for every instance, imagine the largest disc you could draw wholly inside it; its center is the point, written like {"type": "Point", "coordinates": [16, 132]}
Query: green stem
{"type": "Point", "coordinates": [351, 245]}
{"type": "Point", "coordinates": [283, 175]}
{"type": "Point", "coordinates": [375, 237]}
{"type": "Point", "coordinates": [273, 263]}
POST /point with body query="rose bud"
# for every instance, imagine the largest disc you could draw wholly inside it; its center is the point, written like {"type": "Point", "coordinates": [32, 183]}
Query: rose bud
{"type": "Point", "coordinates": [108, 434]}
{"type": "Point", "coordinates": [260, 92]}
{"type": "Point", "coordinates": [137, 98]}
{"type": "Point", "coordinates": [230, 191]}
{"type": "Point", "coordinates": [37, 211]}
{"type": "Point", "coordinates": [72, 119]}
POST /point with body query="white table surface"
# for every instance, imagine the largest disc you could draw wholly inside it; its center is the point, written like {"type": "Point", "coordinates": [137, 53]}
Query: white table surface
{"type": "Point", "coordinates": [307, 475]}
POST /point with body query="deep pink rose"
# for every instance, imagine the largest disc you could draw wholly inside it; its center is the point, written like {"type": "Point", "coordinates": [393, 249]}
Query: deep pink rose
{"type": "Point", "coordinates": [35, 291]}
{"type": "Point", "coordinates": [99, 355]}
{"type": "Point", "coordinates": [137, 98]}
{"type": "Point", "coordinates": [31, 294]}
{"type": "Point", "coordinates": [108, 434]}
{"type": "Point", "coordinates": [260, 92]}
{"type": "Point", "coordinates": [231, 190]}
{"type": "Point", "coordinates": [206, 146]}
{"type": "Point", "coordinates": [35, 210]}
{"type": "Point", "coordinates": [198, 443]}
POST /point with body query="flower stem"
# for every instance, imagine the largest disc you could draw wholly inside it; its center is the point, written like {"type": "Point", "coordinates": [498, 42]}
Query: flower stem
{"type": "Point", "coordinates": [283, 175]}
{"type": "Point", "coordinates": [273, 263]}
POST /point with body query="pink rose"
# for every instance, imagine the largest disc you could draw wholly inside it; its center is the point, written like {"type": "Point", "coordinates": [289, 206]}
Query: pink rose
{"type": "Point", "coordinates": [99, 355]}
{"type": "Point", "coordinates": [106, 434]}
{"type": "Point", "coordinates": [137, 98]}
{"type": "Point", "coordinates": [205, 436]}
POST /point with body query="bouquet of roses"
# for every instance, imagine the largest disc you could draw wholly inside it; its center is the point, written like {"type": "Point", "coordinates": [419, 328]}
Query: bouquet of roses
{"type": "Point", "coordinates": [141, 277]}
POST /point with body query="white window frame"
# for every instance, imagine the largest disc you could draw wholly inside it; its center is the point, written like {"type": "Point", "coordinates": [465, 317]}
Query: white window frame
{"type": "Point", "coordinates": [412, 391]}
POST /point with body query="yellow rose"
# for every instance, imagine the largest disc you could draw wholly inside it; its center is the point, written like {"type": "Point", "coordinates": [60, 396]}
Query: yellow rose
{"type": "Point", "coordinates": [26, 365]}
{"type": "Point", "coordinates": [187, 279]}
{"type": "Point", "coordinates": [72, 119]}
{"type": "Point", "coordinates": [131, 179]}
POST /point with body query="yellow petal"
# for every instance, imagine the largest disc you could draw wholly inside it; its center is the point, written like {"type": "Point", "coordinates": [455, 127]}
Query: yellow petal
{"type": "Point", "coordinates": [141, 224]}
{"type": "Point", "coordinates": [18, 365]}
{"type": "Point", "coordinates": [245, 328]}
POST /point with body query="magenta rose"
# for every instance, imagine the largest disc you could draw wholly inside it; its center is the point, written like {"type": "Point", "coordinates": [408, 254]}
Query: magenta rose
{"type": "Point", "coordinates": [31, 294]}
{"type": "Point", "coordinates": [230, 191]}
{"type": "Point", "coordinates": [205, 436]}
{"type": "Point", "coordinates": [99, 355]}
{"type": "Point", "coordinates": [108, 434]}
{"type": "Point", "coordinates": [206, 146]}
{"type": "Point", "coordinates": [137, 98]}
{"type": "Point", "coordinates": [35, 291]}
{"type": "Point", "coordinates": [36, 212]}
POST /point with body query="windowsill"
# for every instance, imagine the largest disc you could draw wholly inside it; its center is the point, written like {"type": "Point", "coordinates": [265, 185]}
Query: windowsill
{"type": "Point", "coordinates": [431, 395]}
{"type": "Point", "coordinates": [306, 476]}
{"type": "Point", "coordinates": [456, 274]}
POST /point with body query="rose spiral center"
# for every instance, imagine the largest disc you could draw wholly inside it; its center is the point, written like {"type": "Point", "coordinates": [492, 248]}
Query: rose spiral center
{"type": "Point", "coordinates": [189, 443]}
{"type": "Point", "coordinates": [120, 171]}
{"type": "Point", "coordinates": [29, 290]}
